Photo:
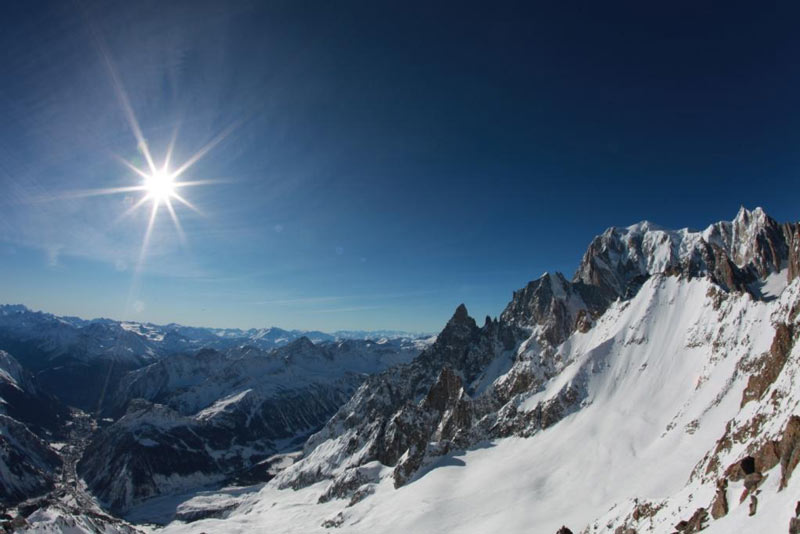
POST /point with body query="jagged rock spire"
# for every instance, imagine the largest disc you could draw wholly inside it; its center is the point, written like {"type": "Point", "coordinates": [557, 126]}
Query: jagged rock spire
{"type": "Point", "coordinates": [461, 315]}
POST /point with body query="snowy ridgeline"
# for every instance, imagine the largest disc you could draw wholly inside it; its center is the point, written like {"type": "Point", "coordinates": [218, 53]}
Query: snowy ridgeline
{"type": "Point", "coordinates": [655, 391]}
{"type": "Point", "coordinates": [131, 342]}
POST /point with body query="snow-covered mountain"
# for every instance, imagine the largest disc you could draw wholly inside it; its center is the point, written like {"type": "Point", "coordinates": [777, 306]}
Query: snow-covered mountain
{"type": "Point", "coordinates": [194, 420]}
{"type": "Point", "coordinates": [90, 339]}
{"type": "Point", "coordinates": [656, 391]}
{"type": "Point", "coordinates": [28, 419]}
{"type": "Point", "coordinates": [82, 360]}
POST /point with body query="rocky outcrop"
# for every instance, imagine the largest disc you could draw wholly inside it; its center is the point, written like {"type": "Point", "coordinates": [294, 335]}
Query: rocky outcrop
{"type": "Point", "coordinates": [792, 233]}
{"type": "Point", "coordinates": [771, 364]}
{"type": "Point", "coordinates": [794, 523]}
{"type": "Point", "coordinates": [719, 507]}
{"type": "Point", "coordinates": [767, 456]}
{"type": "Point", "coordinates": [696, 523]}
{"type": "Point", "coordinates": [789, 449]}
{"type": "Point", "coordinates": [556, 305]}
{"type": "Point", "coordinates": [445, 412]}
{"type": "Point", "coordinates": [757, 239]}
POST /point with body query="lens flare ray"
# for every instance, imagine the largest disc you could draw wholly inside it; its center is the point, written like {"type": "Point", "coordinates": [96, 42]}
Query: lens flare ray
{"type": "Point", "coordinates": [176, 221]}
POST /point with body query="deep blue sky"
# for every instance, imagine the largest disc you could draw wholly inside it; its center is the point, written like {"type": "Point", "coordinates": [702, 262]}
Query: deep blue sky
{"type": "Point", "coordinates": [389, 159]}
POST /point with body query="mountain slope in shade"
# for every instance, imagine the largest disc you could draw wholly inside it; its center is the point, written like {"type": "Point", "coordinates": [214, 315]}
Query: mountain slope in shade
{"type": "Point", "coordinates": [195, 420]}
{"type": "Point", "coordinates": [28, 419]}
{"type": "Point", "coordinates": [27, 463]}
{"type": "Point", "coordinates": [637, 387]}
{"type": "Point", "coordinates": [82, 361]}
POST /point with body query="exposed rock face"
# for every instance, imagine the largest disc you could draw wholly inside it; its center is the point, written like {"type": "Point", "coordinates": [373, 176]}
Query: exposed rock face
{"type": "Point", "coordinates": [771, 364]}
{"type": "Point", "coordinates": [751, 482]}
{"type": "Point", "coordinates": [696, 523]}
{"type": "Point", "coordinates": [753, 507]}
{"type": "Point", "coordinates": [449, 397]}
{"type": "Point", "coordinates": [556, 304]}
{"type": "Point", "coordinates": [767, 457]}
{"type": "Point", "coordinates": [757, 240]}
{"type": "Point", "coordinates": [733, 254]}
{"type": "Point", "coordinates": [794, 523]}
{"type": "Point", "coordinates": [444, 412]}
{"type": "Point", "coordinates": [792, 231]}
{"type": "Point", "coordinates": [719, 507]}
{"type": "Point", "coordinates": [350, 481]}
{"type": "Point", "coordinates": [790, 449]}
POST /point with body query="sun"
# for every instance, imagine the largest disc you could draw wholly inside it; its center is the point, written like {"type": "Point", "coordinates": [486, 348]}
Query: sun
{"type": "Point", "coordinates": [160, 185]}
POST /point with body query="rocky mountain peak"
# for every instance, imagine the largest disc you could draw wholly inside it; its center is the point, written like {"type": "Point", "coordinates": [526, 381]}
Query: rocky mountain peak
{"type": "Point", "coordinates": [458, 329]}
{"type": "Point", "coordinates": [553, 303]}
{"type": "Point", "coordinates": [745, 217]}
{"type": "Point", "coordinates": [301, 344]}
{"type": "Point", "coordinates": [757, 239]}
{"type": "Point", "coordinates": [7, 309]}
{"type": "Point", "coordinates": [733, 254]}
{"type": "Point", "coordinates": [302, 349]}
{"type": "Point", "coordinates": [461, 316]}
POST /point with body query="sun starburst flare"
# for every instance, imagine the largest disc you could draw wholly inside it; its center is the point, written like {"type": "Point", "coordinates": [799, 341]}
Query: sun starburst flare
{"type": "Point", "coordinates": [161, 187]}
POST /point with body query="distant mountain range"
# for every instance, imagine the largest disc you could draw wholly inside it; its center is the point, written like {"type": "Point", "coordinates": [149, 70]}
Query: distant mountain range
{"type": "Point", "coordinates": [77, 359]}
{"type": "Point", "coordinates": [108, 338]}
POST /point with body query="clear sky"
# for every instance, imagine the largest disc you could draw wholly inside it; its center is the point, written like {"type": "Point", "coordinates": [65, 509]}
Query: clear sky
{"type": "Point", "coordinates": [384, 161]}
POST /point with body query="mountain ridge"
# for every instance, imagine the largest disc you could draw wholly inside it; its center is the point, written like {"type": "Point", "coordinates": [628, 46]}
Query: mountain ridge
{"type": "Point", "coordinates": [654, 391]}
{"type": "Point", "coordinates": [406, 427]}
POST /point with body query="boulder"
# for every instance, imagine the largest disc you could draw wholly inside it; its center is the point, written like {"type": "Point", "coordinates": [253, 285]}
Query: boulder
{"type": "Point", "coordinates": [719, 507]}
